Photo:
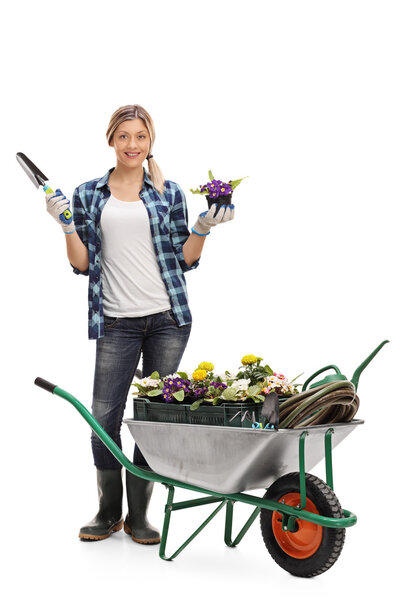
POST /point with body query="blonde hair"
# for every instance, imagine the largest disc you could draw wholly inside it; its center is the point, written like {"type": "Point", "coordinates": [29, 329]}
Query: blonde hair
{"type": "Point", "coordinates": [135, 111]}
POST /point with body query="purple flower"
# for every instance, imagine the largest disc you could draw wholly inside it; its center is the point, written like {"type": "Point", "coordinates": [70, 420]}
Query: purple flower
{"type": "Point", "coordinates": [216, 188]}
{"type": "Point", "coordinates": [174, 385]}
{"type": "Point", "coordinates": [225, 189]}
{"type": "Point", "coordinates": [218, 385]}
{"type": "Point", "coordinates": [200, 392]}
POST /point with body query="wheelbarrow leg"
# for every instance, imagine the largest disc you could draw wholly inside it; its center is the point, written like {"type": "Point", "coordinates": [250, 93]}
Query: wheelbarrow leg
{"type": "Point", "coordinates": [167, 518]}
{"type": "Point", "coordinates": [328, 457]}
{"type": "Point", "coordinates": [170, 506]}
{"type": "Point", "coordinates": [228, 525]}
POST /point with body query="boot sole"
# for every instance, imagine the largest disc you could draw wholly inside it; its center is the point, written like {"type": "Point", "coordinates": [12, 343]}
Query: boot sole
{"type": "Point", "coordinates": [94, 538]}
{"type": "Point", "coordinates": [128, 531]}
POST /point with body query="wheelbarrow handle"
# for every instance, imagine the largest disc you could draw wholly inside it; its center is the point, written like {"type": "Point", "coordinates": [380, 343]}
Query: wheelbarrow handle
{"type": "Point", "coordinates": [46, 385]}
{"type": "Point", "coordinates": [100, 432]}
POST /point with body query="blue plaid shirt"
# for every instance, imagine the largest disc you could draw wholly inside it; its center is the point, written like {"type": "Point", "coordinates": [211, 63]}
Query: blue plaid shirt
{"type": "Point", "coordinates": [168, 225]}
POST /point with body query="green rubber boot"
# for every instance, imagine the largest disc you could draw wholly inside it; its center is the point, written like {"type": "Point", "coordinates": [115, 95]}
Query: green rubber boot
{"type": "Point", "coordinates": [109, 517]}
{"type": "Point", "coordinates": [136, 525]}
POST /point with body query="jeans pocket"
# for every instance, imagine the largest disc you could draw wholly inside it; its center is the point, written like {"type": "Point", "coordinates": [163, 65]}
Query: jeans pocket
{"type": "Point", "coordinates": [110, 321]}
{"type": "Point", "coordinates": [170, 316]}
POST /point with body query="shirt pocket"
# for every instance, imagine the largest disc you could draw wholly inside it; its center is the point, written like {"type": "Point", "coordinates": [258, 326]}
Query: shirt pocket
{"type": "Point", "coordinates": [160, 215]}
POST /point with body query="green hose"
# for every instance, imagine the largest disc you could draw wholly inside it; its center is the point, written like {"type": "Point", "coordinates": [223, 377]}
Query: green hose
{"type": "Point", "coordinates": [335, 402]}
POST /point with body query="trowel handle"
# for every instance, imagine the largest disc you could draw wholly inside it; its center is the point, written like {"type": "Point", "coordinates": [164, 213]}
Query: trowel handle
{"type": "Point", "coordinates": [67, 213]}
{"type": "Point", "coordinates": [319, 373]}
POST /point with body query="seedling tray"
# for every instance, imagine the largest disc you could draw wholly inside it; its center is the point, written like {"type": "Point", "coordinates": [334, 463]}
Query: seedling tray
{"type": "Point", "coordinates": [233, 414]}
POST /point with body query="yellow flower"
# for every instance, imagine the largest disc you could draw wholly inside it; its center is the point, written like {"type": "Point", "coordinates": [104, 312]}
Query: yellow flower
{"type": "Point", "coordinates": [206, 365]}
{"type": "Point", "coordinates": [250, 359]}
{"type": "Point", "coordinates": [199, 374]}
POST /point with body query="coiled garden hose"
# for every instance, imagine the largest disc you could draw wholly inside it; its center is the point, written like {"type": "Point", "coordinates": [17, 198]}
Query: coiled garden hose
{"type": "Point", "coordinates": [329, 403]}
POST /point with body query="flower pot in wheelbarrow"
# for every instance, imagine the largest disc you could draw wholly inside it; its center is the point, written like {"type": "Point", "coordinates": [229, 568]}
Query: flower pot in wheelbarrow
{"type": "Point", "coordinates": [228, 414]}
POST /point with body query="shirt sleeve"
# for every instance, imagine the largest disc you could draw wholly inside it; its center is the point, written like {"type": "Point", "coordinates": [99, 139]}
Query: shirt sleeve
{"type": "Point", "coordinates": [79, 215]}
{"type": "Point", "coordinates": [179, 228]}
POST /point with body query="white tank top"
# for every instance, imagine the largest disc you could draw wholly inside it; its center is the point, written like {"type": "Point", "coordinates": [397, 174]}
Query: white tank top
{"type": "Point", "coordinates": [130, 275]}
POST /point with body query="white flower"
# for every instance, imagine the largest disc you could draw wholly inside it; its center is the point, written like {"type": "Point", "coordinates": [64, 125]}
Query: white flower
{"type": "Point", "coordinates": [240, 384]}
{"type": "Point", "coordinates": [147, 382]}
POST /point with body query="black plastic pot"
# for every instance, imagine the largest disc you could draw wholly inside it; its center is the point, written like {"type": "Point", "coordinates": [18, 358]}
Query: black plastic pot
{"type": "Point", "coordinates": [219, 201]}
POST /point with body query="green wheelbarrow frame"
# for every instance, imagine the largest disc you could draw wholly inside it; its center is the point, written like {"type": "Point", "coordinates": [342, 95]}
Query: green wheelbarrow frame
{"type": "Point", "coordinates": [290, 514]}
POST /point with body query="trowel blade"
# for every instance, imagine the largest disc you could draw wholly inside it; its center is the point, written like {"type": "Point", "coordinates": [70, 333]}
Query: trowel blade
{"type": "Point", "coordinates": [270, 409]}
{"type": "Point", "coordinates": [35, 175]}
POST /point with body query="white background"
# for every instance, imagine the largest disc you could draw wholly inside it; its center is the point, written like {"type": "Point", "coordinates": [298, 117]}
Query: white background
{"type": "Point", "coordinates": [303, 97]}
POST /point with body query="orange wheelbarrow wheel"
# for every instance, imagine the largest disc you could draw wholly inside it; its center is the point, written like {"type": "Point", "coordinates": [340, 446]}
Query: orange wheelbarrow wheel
{"type": "Point", "coordinates": [310, 549]}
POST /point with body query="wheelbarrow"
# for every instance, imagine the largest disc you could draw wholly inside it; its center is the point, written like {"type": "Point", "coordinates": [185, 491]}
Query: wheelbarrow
{"type": "Point", "coordinates": [302, 522]}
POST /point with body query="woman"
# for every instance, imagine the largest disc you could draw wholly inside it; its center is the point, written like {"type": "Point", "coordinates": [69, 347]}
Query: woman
{"type": "Point", "coordinates": [128, 232]}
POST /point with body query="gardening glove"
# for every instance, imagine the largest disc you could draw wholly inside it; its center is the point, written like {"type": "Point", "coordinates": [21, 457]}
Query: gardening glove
{"type": "Point", "coordinates": [211, 218]}
{"type": "Point", "coordinates": [59, 207]}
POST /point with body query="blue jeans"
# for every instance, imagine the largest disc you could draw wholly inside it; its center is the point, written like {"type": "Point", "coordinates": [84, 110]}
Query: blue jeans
{"type": "Point", "coordinates": [162, 343]}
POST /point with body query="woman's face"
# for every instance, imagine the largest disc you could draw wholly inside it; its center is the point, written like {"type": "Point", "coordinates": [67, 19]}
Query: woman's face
{"type": "Point", "coordinates": [131, 142]}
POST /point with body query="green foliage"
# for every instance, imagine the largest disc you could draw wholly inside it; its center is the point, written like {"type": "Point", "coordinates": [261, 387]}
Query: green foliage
{"type": "Point", "coordinates": [182, 374]}
{"type": "Point", "coordinates": [229, 394]}
{"type": "Point", "coordinates": [236, 182]}
{"type": "Point", "coordinates": [196, 404]}
{"type": "Point", "coordinates": [152, 393]}
{"type": "Point", "coordinates": [253, 393]}
{"type": "Point", "coordinates": [255, 372]}
{"type": "Point", "coordinates": [199, 192]}
{"type": "Point", "coordinates": [254, 389]}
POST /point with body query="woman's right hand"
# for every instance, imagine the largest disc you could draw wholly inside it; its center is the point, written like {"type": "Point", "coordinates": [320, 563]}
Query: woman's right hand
{"type": "Point", "coordinates": [58, 206]}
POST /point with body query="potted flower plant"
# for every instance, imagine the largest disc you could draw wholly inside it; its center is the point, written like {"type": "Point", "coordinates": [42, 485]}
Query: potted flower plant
{"type": "Point", "coordinates": [252, 384]}
{"type": "Point", "coordinates": [217, 191]}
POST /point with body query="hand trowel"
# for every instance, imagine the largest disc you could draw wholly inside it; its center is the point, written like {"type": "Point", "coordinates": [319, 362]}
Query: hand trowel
{"type": "Point", "coordinates": [37, 177]}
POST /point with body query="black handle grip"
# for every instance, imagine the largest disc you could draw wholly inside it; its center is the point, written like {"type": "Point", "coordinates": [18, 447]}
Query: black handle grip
{"type": "Point", "coordinates": [46, 385]}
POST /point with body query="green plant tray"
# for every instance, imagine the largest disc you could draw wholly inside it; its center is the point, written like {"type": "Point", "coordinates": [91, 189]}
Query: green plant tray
{"type": "Point", "coordinates": [229, 414]}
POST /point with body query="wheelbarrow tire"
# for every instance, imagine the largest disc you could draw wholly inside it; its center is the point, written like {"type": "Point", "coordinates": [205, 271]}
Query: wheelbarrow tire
{"type": "Point", "coordinates": [312, 549]}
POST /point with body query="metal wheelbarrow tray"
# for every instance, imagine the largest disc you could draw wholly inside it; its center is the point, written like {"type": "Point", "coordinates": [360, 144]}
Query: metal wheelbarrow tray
{"type": "Point", "coordinates": [302, 522]}
{"type": "Point", "coordinates": [229, 460]}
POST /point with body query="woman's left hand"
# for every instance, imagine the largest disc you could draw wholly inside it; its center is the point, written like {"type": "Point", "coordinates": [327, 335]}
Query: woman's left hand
{"type": "Point", "coordinates": [211, 218]}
